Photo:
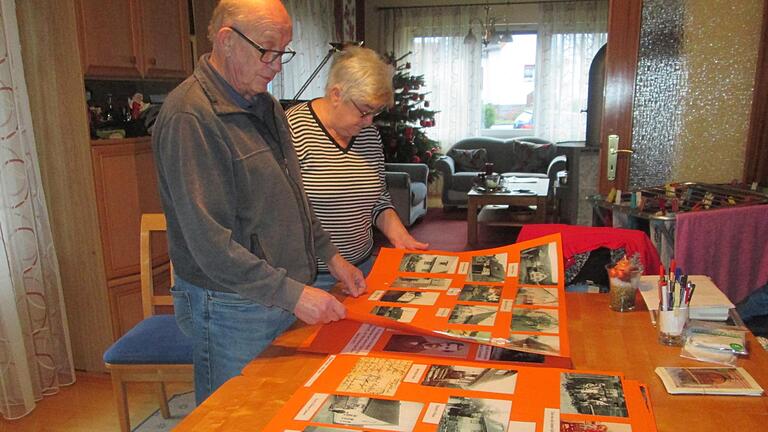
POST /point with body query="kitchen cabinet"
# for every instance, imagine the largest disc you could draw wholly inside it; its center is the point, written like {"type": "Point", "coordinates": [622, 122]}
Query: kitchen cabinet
{"type": "Point", "coordinates": [134, 38]}
{"type": "Point", "coordinates": [126, 186]}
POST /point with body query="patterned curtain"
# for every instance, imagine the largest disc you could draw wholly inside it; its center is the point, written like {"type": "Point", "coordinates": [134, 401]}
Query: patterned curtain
{"type": "Point", "coordinates": [452, 69]}
{"type": "Point", "coordinates": [313, 30]}
{"type": "Point", "coordinates": [569, 36]}
{"type": "Point", "coordinates": [35, 353]}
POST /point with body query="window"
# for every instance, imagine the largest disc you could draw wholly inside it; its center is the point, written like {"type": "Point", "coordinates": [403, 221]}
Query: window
{"type": "Point", "coordinates": [508, 87]}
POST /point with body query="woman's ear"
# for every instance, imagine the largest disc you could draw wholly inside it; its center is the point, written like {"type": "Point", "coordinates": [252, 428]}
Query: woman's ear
{"type": "Point", "coordinates": [336, 96]}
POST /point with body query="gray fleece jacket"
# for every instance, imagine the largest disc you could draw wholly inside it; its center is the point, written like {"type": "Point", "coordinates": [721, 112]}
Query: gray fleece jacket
{"type": "Point", "coordinates": [230, 184]}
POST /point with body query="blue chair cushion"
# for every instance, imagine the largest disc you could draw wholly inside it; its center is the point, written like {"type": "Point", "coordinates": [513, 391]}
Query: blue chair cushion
{"type": "Point", "coordinates": [155, 340]}
{"type": "Point", "coordinates": [418, 193]}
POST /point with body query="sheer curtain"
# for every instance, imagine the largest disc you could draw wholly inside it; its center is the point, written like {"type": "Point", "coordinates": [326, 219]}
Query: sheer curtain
{"type": "Point", "coordinates": [313, 30]}
{"type": "Point", "coordinates": [569, 36]}
{"type": "Point", "coordinates": [35, 353]}
{"type": "Point", "coordinates": [452, 70]}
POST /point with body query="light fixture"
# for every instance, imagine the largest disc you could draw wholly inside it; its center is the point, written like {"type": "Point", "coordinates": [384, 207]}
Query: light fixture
{"type": "Point", "coordinates": [487, 28]}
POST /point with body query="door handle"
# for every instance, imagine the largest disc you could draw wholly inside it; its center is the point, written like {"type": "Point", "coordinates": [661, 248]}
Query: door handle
{"type": "Point", "coordinates": [613, 152]}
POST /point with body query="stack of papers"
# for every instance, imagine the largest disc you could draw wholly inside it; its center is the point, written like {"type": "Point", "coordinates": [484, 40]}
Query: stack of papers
{"type": "Point", "coordinates": [707, 303]}
{"type": "Point", "coordinates": [707, 380]}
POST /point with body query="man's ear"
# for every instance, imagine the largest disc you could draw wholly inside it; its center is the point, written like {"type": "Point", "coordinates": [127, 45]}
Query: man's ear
{"type": "Point", "coordinates": [225, 40]}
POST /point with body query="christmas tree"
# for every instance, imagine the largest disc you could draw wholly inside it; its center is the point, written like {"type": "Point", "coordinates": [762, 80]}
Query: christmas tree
{"type": "Point", "coordinates": [402, 126]}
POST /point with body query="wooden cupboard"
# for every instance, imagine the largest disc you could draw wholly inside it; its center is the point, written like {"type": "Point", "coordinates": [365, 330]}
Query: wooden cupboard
{"type": "Point", "coordinates": [134, 38]}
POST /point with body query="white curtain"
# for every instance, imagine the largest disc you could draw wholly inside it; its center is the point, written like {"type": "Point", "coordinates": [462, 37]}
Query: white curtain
{"type": "Point", "coordinates": [313, 30]}
{"type": "Point", "coordinates": [452, 70]}
{"type": "Point", "coordinates": [569, 35]}
{"type": "Point", "coordinates": [35, 353]}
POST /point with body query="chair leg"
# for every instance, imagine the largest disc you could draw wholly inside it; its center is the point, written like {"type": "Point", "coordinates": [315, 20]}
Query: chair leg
{"type": "Point", "coordinates": [121, 402]}
{"type": "Point", "coordinates": [163, 400]}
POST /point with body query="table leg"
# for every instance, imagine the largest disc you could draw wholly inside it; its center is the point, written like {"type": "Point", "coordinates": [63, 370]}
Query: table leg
{"type": "Point", "coordinates": [471, 221]}
{"type": "Point", "coordinates": [541, 210]}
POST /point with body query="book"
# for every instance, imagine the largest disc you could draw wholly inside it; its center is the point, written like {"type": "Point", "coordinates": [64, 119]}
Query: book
{"type": "Point", "coordinates": [709, 380]}
{"type": "Point", "coordinates": [708, 302]}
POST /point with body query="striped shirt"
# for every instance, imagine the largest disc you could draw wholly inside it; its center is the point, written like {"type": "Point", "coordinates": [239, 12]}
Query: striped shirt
{"type": "Point", "coordinates": [346, 187]}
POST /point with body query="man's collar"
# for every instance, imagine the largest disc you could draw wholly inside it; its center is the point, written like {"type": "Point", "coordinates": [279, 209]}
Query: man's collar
{"type": "Point", "coordinates": [224, 99]}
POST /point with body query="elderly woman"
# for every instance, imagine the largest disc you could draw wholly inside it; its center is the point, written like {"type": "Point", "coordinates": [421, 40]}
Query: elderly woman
{"type": "Point", "coordinates": [342, 159]}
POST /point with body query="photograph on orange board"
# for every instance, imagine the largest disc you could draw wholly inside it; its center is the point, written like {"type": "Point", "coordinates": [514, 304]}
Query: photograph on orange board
{"type": "Point", "coordinates": [508, 297]}
{"type": "Point", "coordinates": [351, 337]}
{"type": "Point", "coordinates": [420, 394]}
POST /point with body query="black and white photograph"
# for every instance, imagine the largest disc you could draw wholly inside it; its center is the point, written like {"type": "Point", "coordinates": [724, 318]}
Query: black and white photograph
{"type": "Point", "coordinates": [510, 355]}
{"type": "Point", "coordinates": [407, 343]}
{"type": "Point", "coordinates": [399, 314]}
{"type": "Point", "coordinates": [410, 297]}
{"type": "Point", "coordinates": [481, 293]}
{"type": "Point", "coordinates": [474, 315]}
{"type": "Point", "coordinates": [367, 412]}
{"type": "Point", "coordinates": [538, 265]}
{"type": "Point", "coordinates": [441, 284]}
{"type": "Point", "coordinates": [472, 378]}
{"type": "Point", "coordinates": [538, 343]}
{"type": "Point", "coordinates": [468, 334]}
{"type": "Point", "coordinates": [535, 296]}
{"type": "Point", "coordinates": [488, 268]}
{"type": "Point", "coordinates": [464, 414]}
{"type": "Point", "coordinates": [428, 263]}
{"type": "Point", "coordinates": [535, 320]}
{"type": "Point", "coordinates": [592, 394]}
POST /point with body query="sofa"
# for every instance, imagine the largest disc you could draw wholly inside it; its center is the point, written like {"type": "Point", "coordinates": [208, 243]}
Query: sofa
{"type": "Point", "coordinates": [526, 156]}
{"type": "Point", "coordinates": [407, 185]}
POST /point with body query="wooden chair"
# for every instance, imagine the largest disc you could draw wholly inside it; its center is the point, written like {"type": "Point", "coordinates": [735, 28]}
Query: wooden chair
{"type": "Point", "coordinates": [155, 350]}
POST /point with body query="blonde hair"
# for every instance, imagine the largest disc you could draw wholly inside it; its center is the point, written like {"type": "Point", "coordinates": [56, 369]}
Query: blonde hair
{"type": "Point", "coordinates": [361, 75]}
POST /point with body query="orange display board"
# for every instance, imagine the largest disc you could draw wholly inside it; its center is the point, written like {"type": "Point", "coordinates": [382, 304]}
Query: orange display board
{"type": "Point", "coordinates": [419, 394]}
{"type": "Point", "coordinates": [351, 337]}
{"type": "Point", "coordinates": [510, 297]}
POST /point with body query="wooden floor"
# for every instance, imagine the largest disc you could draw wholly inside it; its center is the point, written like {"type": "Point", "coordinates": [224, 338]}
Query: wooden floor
{"type": "Point", "coordinates": [88, 406]}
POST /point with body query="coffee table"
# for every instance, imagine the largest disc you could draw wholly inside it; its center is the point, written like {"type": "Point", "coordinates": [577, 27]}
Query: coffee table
{"type": "Point", "coordinates": [482, 205]}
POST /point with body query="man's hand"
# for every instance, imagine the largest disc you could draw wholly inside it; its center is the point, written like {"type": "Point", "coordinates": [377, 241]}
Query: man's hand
{"type": "Point", "coordinates": [350, 276]}
{"type": "Point", "coordinates": [316, 306]}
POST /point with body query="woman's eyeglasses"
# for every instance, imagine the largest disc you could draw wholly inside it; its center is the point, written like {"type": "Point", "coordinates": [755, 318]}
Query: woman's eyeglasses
{"type": "Point", "coordinates": [373, 113]}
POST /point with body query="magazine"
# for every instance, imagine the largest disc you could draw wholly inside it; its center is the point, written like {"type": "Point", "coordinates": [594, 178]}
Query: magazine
{"type": "Point", "coordinates": [709, 380]}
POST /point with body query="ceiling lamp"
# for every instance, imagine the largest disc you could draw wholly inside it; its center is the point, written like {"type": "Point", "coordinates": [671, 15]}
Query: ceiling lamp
{"type": "Point", "coordinates": [487, 28]}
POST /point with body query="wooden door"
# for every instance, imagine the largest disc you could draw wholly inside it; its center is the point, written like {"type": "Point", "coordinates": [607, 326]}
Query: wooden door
{"type": "Point", "coordinates": [108, 46]}
{"type": "Point", "coordinates": [620, 70]}
{"type": "Point", "coordinates": [165, 41]}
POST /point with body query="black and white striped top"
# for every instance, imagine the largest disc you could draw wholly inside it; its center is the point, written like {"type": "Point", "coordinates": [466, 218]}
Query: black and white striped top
{"type": "Point", "coordinates": [346, 187]}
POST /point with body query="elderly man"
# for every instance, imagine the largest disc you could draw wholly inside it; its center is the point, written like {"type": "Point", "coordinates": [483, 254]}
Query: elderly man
{"type": "Point", "coordinates": [242, 237]}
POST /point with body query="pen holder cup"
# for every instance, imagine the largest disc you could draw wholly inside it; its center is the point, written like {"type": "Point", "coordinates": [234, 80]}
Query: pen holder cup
{"type": "Point", "coordinates": [671, 326]}
{"type": "Point", "coordinates": [623, 289]}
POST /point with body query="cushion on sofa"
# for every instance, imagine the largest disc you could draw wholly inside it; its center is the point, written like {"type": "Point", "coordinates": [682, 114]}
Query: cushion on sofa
{"type": "Point", "coordinates": [532, 157]}
{"type": "Point", "coordinates": [418, 193]}
{"type": "Point", "coordinates": [469, 160]}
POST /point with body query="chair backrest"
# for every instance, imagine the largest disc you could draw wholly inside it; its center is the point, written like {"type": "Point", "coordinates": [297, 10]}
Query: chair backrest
{"type": "Point", "coordinates": [151, 222]}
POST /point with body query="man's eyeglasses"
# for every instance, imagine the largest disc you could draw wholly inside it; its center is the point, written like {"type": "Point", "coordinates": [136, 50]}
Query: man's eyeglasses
{"type": "Point", "coordinates": [267, 55]}
{"type": "Point", "coordinates": [373, 113]}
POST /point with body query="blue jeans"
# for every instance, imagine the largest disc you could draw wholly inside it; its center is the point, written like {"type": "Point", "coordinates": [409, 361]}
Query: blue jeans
{"type": "Point", "coordinates": [325, 281]}
{"type": "Point", "coordinates": [228, 332]}
{"type": "Point", "coordinates": [755, 305]}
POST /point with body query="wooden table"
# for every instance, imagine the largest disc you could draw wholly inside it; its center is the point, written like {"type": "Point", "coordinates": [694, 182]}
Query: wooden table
{"type": "Point", "coordinates": [521, 194]}
{"type": "Point", "coordinates": [600, 339]}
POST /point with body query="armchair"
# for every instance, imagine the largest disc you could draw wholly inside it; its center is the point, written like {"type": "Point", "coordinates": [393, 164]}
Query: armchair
{"type": "Point", "coordinates": [407, 185]}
